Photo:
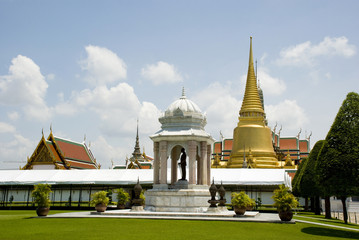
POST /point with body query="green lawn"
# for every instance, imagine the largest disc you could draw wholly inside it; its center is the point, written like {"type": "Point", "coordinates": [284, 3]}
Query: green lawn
{"type": "Point", "coordinates": [18, 224]}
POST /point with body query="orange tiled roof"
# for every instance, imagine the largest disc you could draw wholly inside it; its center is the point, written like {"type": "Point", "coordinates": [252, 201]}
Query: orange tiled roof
{"type": "Point", "coordinates": [77, 164]}
{"type": "Point", "coordinates": [217, 148]}
{"type": "Point", "coordinates": [303, 146]}
{"type": "Point", "coordinates": [72, 150]}
{"type": "Point", "coordinates": [288, 143]}
{"type": "Point", "coordinates": [228, 144]}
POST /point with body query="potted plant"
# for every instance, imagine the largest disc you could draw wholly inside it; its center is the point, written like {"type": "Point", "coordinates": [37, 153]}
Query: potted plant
{"type": "Point", "coordinates": [122, 198]}
{"type": "Point", "coordinates": [284, 201]}
{"type": "Point", "coordinates": [40, 196]}
{"type": "Point", "coordinates": [240, 202]}
{"type": "Point", "coordinates": [100, 201]}
{"type": "Point", "coordinates": [142, 196]}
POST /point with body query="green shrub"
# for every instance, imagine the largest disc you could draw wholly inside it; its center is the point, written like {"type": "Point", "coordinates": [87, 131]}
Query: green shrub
{"type": "Point", "coordinates": [41, 195]}
{"type": "Point", "coordinates": [283, 199]}
{"type": "Point", "coordinates": [99, 198]}
{"type": "Point", "coordinates": [242, 200]}
{"type": "Point", "coordinates": [122, 196]}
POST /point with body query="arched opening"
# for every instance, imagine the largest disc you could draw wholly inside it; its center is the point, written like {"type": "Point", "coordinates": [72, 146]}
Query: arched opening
{"type": "Point", "coordinates": [174, 163]}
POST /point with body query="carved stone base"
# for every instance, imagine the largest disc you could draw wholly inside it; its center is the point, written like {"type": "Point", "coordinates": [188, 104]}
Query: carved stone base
{"type": "Point", "coordinates": [222, 209]}
{"type": "Point", "coordinates": [137, 209]}
{"type": "Point", "coordinates": [178, 200]}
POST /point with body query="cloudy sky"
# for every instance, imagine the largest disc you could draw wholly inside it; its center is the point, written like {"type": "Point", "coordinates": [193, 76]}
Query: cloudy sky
{"type": "Point", "coordinates": [93, 67]}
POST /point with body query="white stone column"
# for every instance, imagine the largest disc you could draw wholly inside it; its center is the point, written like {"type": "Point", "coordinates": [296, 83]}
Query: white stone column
{"type": "Point", "coordinates": [174, 158]}
{"type": "Point", "coordinates": [203, 163]}
{"type": "Point", "coordinates": [156, 163]}
{"type": "Point", "coordinates": [163, 157]}
{"type": "Point", "coordinates": [192, 147]}
{"type": "Point", "coordinates": [209, 151]}
{"type": "Point", "coordinates": [199, 169]}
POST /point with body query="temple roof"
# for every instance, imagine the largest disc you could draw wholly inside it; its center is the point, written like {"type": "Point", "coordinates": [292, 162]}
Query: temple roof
{"type": "Point", "coordinates": [63, 154]}
{"type": "Point", "coordinates": [74, 150]}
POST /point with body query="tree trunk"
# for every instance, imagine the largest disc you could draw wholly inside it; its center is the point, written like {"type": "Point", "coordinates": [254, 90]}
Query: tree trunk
{"type": "Point", "coordinates": [312, 204]}
{"type": "Point", "coordinates": [328, 214]}
{"type": "Point", "coordinates": [317, 205]}
{"type": "Point", "coordinates": [345, 214]}
{"type": "Point", "coordinates": [306, 204]}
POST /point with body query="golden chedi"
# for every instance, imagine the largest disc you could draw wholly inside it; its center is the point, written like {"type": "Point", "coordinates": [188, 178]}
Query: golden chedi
{"type": "Point", "coordinates": [252, 135]}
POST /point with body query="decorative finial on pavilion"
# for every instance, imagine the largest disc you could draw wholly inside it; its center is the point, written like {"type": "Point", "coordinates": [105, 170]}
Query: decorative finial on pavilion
{"type": "Point", "coordinates": [85, 138]}
{"type": "Point", "coordinates": [183, 93]}
{"type": "Point", "coordinates": [51, 128]}
{"type": "Point", "coordinates": [42, 132]}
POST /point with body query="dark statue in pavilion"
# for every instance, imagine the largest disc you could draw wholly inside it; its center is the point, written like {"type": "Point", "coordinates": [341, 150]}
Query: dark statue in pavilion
{"type": "Point", "coordinates": [183, 163]}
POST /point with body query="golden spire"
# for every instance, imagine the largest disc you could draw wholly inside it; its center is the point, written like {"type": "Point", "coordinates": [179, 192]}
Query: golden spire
{"type": "Point", "coordinates": [251, 101]}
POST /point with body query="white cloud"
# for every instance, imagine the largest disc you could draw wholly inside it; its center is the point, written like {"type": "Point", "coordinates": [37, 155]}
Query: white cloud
{"type": "Point", "coordinates": [14, 153]}
{"type": "Point", "coordinates": [103, 66]}
{"type": "Point", "coordinates": [105, 152]}
{"type": "Point", "coordinates": [6, 128]}
{"type": "Point", "coordinates": [221, 108]}
{"type": "Point", "coordinates": [117, 108]}
{"type": "Point", "coordinates": [25, 86]}
{"type": "Point", "coordinates": [306, 53]}
{"type": "Point", "coordinates": [50, 76]}
{"type": "Point", "coordinates": [13, 116]}
{"type": "Point", "coordinates": [270, 85]}
{"type": "Point", "coordinates": [287, 113]}
{"type": "Point", "coordinates": [161, 72]}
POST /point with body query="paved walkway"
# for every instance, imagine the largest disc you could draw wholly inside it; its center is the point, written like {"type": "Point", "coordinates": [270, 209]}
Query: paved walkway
{"type": "Point", "coordinates": [324, 224]}
{"type": "Point", "coordinates": [250, 216]}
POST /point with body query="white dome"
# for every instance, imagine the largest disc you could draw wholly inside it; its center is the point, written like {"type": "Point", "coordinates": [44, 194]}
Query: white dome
{"type": "Point", "coordinates": [183, 104]}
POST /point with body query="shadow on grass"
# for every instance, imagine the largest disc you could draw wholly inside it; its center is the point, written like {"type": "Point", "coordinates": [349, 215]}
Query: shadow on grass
{"type": "Point", "coordinates": [320, 231]}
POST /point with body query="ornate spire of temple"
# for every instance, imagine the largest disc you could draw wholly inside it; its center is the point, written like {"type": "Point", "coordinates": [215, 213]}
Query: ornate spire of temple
{"type": "Point", "coordinates": [252, 129]}
{"type": "Point", "coordinates": [137, 152]}
{"type": "Point", "coordinates": [251, 101]}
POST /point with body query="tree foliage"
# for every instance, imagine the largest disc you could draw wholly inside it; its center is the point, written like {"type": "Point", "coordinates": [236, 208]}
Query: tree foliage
{"type": "Point", "coordinates": [297, 178]}
{"type": "Point", "coordinates": [309, 186]}
{"type": "Point", "coordinates": [338, 165]}
{"type": "Point", "coordinates": [338, 160]}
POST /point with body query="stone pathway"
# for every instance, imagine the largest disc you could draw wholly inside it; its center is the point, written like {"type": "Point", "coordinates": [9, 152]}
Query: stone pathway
{"type": "Point", "coordinates": [327, 225]}
{"type": "Point", "coordinates": [250, 216]}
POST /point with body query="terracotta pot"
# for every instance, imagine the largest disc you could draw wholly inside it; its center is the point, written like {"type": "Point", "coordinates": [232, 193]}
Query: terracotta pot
{"type": "Point", "coordinates": [286, 215]}
{"type": "Point", "coordinates": [42, 211]}
{"type": "Point", "coordinates": [239, 210]}
{"type": "Point", "coordinates": [249, 208]}
{"type": "Point", "coordinates": [120, 206]}
{"type": "Point", "coordinates": [101, 207]}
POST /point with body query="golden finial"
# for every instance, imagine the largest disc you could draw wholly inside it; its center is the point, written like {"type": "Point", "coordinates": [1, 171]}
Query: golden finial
{"type": "Point", "coordinates": [251, 101]}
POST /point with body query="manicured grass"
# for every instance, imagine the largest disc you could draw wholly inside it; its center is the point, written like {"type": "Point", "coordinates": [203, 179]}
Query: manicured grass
{"type": "Point", "coordinates": [20, 225]}
{"type": "Point", "coordinates": [308, 216]}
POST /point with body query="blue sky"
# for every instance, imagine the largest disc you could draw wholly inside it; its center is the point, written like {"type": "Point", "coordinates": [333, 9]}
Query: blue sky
{"type": "Point", "coordinates": [94, 67]}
